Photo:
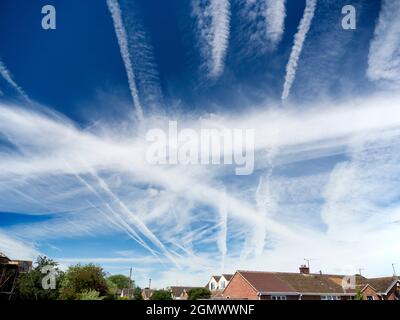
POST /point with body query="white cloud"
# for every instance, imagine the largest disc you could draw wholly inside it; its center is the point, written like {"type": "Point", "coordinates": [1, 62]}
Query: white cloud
{"type": "Point", "coordinates": [122, 37]}
{"type": "Point", "coordinates": [275, 14]}
{"type": "Point", "coordinates": [384, 52]}
{"type": "Point", "coordinates": [194, 213]}
{"type": "Point", "coordinates": [213, 26]}
{"type": "Point", "coordinates": [15, 248]}
{"type": "Point", "coordinates": [299, 39]}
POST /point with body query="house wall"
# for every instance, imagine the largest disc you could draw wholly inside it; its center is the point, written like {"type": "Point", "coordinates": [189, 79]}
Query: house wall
{"type": "Point", "coordinates": [221, 281]}
{"type": "Point", "coordinates": [268, 297]}
{"type": "Point", "coordinates": [212, 281]}
{"type": "Point", "coordinates": [239, 288]}
{"type": "Point", "coordinates": [370, 292]}
{"type": "Point", "coordinates": [392, 293]}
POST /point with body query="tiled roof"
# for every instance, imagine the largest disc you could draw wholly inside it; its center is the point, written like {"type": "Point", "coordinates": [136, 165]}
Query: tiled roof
{"type": "Point", "coordinates": [177, 290]}
{"type": "Point", "coordinates": [283, 282]}
{"type": "Point", "coordinates": [381, 285]}
{"type": "Point", "coordinates": [265, 281]}
{"type": "Point", "coordinates": [228, 276]}
{"type": "Point", "coordinates": [216, 278]}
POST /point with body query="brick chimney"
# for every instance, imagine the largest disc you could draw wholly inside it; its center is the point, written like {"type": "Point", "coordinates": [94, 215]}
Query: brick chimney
{"type": "Point", "coordinates": [304, 269]}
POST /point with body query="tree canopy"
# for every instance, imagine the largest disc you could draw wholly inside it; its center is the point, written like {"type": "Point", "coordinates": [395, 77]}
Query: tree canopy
{"type": "Point", "coordinates": [120, 281]}
{"type": "Point", "coordinates": [199, 293]}
{"type": "Point", "coordinates": [161, 295]}
{"type": "Point", "coordinates": [83, 278]}
{"type": "Point", "coordinates": [30, 285]}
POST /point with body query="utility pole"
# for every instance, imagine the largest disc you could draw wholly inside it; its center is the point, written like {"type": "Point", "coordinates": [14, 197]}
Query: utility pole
{"type": "Point", "coordinates": [130, 278]}
{"type": "Point", "coordinates": [150, 283]}
{"type": "Point", "coordinates": [394, 270]}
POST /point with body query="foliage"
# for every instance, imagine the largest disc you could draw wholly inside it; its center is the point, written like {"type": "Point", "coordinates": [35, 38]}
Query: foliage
{"type": "Point", "coordinates": [199, 293]}
{"type": "Point", "coordinates": [120, 281]}
{"type": "Point", "coordinates": [81, 278]}
{"type": "Point", "coordinates": [90, 295]}
{"type": "Point", "coordinates": [30, 283]}
{"type": "Point", "coordinates": [161, 295]}
{"type": "Point", "coordinates": [137, 294]}
{"type": "Point", "coordinates": [359, 295]}
{"type": "Point", "coordinates": [112, 287]}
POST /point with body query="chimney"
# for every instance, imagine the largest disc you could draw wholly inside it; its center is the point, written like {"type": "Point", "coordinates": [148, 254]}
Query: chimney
{"type": "Point", "coordinates": [304, 269]}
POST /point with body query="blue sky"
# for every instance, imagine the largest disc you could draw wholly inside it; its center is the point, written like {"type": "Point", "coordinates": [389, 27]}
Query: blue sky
{"type": "Point", "coordinates": [76, 103]}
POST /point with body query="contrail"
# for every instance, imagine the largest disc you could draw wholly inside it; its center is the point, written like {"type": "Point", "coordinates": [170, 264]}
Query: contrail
{"type": "Point", "coordinates": [299, 38]}
{"type": "Point", "coordinates": [122, 38]}
{"type": "Point", "coordinates": [384, 52]}
{"type": "Point", "coordinates": [213, 23]}
{"type": "Point", "coordinates": [275, 14]}
{"type": "Point", "coordinates": [7, 76]}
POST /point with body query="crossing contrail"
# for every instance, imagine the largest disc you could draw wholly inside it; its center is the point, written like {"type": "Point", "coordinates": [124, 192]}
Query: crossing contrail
{"type": "Point", "coordinates": [299, 38]}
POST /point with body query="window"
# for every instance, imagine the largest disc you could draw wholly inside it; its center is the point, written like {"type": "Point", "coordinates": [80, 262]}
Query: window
{"type": "Point", "coordinates": [222, 286]}
{"type": "Point", "coordinates": [212, 286]}
{"type": "Point", "coordinates": [330, 298]}
{"type": "Point", "coordinates": [370, 297]}
{"type": "Point", "coordinates": [278, 297]}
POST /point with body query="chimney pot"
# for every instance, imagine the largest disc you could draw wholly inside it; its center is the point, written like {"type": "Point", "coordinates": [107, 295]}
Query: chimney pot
{"type": "Point", "coordinates": [304, 269]}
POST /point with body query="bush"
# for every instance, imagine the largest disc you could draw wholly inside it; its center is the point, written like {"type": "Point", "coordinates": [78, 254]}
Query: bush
{"type": "Point", "coordinates": [90, 295]}
{"type": "Point", "coordinates": [161, 295]}
{"type": "Point", "coordinates": [80, 279]}
{"type": "Point", "coordinates": [199, 293]}
{"type": "Point", "coordinates": [30, 283]}
{"type": "Point", "coordinates": [137, 294]}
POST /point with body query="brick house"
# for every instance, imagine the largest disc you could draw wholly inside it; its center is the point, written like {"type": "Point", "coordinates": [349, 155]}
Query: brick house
{"type": "Point", "coordinates": [257, 285]}
{"type": "Point", "coordinates": [385, 288]}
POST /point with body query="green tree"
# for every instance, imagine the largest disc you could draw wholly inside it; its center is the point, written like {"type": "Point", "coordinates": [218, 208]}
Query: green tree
{"type": "Point", "coordinates": [199, 293]}
{"type": "Point", "coordinates": [120, 281]}
{"type": "Point", "coordinates": [161, 295]}
{"type": "Point", "coordinates": [82, 278]}
{"type": "Point", "coordinates": [359, 295]}
{"type": "Point", "coordinates": [137, 294]}
{"type": "Point", "coordinates": [30, 284]}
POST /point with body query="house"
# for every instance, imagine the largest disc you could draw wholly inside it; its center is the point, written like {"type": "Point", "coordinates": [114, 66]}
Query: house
{"type": "Point", "coordinates": [8, 277]}
{"type": "Point", "coordinates": [219, 282]}
{"type": "Point", "coordinates": [180, 293]}
{"type": "Point", "coordinates": [217, 285]}
{"type": "Point", "coordinates": [126, 293]}
{"type": "Point", "coordinates": [385, 288]}
{"type": "Point", "coordinates": [212, 284]}
{"type": "Point", "coordinates": [258, 285]}
{"type": "Point", "coordinates": [147, 293]}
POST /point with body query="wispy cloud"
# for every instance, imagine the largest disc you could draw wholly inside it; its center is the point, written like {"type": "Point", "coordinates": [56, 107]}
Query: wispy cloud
{"type": "Point", "coordinates": [275, 14]}
{"type": "Point", "coordinates": [261, 27]}
{"type": "Point", "coordinates": [384, 52]}
{"type": "Point", "coordinates": [299, 39]}
{"type": "Point", "coordinates": [16, 248]}
{"type": "Point", "coordinates": [196, 213]}
{"type": "Point", "coordinates": [5, 73]}
{"type": "Point", "coordinates": [213, 25]}
{"type": "Point", "coordinates": [122, 38]}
